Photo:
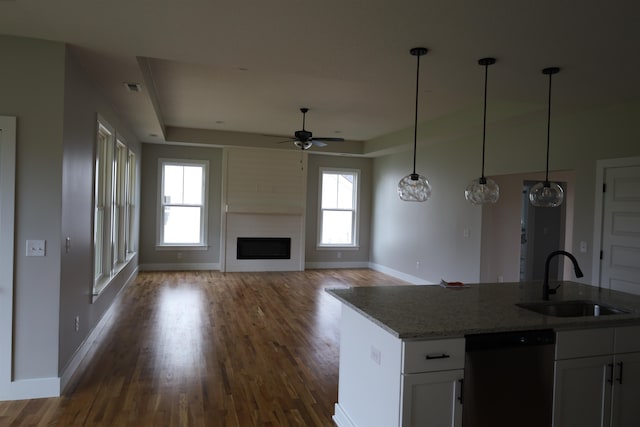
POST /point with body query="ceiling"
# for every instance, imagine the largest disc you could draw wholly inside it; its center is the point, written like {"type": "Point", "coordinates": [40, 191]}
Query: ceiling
{"type": "Point", "coordinates": [248, 66]}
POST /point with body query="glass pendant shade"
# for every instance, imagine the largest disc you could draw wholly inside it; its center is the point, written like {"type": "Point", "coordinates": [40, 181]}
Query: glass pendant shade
{"type": "Point", "coordinates": [482, 190]}
{"type": "Point", "coordinates": [414, 188]}
{"type": "Point", "coordinates": [546, 195]}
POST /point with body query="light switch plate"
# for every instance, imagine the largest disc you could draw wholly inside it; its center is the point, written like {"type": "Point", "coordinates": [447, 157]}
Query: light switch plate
{"type": "Point", "coordinates": [36, 247]}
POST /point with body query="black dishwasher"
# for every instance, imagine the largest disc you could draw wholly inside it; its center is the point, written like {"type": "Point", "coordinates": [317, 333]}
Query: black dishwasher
{"type": "Point", "coordinates": [508, 379]}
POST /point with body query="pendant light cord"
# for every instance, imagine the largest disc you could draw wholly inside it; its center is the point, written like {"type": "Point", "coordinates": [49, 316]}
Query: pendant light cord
{"type": "Point", "coordinates": [415, 120]}
{"type": "Point", "coordinates": [484, 118]}
{"type": "Point", "coordinates": [546, 176]}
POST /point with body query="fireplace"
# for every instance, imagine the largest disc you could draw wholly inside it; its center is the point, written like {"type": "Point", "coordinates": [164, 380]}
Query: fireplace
{"type": "Point", "coordinates": [263, 248]}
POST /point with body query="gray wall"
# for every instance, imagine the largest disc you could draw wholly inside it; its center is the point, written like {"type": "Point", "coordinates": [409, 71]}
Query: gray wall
{"type": "Point", "coordinates": [433, 232]}
{"type": "Point", "coordinates": [150, 257]}
{"type": "Point", "coordinates": [82, 102]}
{"type": "Point", "coordinates": [329, 257]}
{"type": "Point", "coordinates": [56, 115]}
{"type": "Point", "coordinates": [32, 86]}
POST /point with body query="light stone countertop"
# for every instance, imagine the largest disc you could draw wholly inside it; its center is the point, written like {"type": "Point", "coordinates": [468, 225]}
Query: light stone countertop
{"type": "Point", "coordinates": [415, 312]}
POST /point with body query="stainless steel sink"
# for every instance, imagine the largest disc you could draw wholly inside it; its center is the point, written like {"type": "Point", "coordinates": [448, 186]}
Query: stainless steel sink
{"type": "Point", "coordinates": [576, 308]}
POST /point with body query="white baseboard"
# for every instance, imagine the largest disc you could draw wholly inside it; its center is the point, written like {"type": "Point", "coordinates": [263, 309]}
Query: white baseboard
{"type": "Point", "coordinates": [90, 341]}
{"type": "Point", "coordinates": [341, 418]}
{"type": "Point", "coordinates": [335, 265]}
{"type": "Point", "coordinates": [191, 266]}
{"type": "Point", "coordinates": [399, 275]}
{"type": "Point", "coordinates": [35, 388]}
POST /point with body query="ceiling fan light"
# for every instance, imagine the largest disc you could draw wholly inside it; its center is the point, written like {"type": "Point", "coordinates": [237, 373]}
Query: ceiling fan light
{"type": "Point", "coordinates": [482, 190]}
{"type": "Point", "coordinates": [414, 188]}
{"type": "Point", "coordinates": [546, 195]}
{"type": "Point", "coordinates": [303, 145]}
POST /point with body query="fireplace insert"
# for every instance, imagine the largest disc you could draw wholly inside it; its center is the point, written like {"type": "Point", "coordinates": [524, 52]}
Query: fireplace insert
{"type": "Point", "coordinates": [263, 248]}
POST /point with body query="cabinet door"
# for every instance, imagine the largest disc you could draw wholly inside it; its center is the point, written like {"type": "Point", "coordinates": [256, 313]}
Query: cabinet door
{"type": "Point", "coordinates": [626, 389]}
{"type": "Point", "coordinates": [582, 392]}
{"type": "Point", "coordinates": [432, 399]}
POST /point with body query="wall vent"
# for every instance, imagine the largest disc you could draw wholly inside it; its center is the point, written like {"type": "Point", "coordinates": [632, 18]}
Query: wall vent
{"type": "Point", "coordinates": [133, 87]}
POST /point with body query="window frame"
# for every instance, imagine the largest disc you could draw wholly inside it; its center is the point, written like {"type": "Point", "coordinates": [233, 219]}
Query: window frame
{"type": "Point", "coordinates": [203, 243]}
{"type": "Point", "coordinates": [355, 225]}
{"type": "Point", "coordinates": [113, 243]}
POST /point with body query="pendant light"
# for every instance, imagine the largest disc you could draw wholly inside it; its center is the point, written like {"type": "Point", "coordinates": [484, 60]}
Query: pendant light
{"type": "Point", "coordinates": [483, 190]}
{"type": "Point", "coordinates": [415, 187]}
{"type": "Point", "coordinates": [547, 194]}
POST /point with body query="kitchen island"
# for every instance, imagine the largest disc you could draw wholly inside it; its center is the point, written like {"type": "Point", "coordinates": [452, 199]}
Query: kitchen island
{"type": "Point", "coordinates": [399, 341]}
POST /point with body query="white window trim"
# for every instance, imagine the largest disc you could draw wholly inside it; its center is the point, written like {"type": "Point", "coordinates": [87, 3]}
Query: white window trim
{"type": "Point", "coordinates": [111, 266]}
{"type": "Point", "coordinates": [356, 211]}
{"type": "Point", "coordinates": [203, 245]}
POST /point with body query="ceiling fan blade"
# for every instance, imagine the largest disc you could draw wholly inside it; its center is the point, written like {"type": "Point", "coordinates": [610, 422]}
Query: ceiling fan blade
{"type": "Point", "coordinates": [328, 139]}
{"type": "Point", "coordinates": [318, 143]}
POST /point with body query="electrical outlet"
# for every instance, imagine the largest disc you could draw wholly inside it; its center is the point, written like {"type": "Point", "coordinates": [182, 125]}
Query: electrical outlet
{"type": "Point", "coordinates": [339, 255]}
{"type": "Point", "coordinates": [583, 246]}
{"type": "Point", "coordinates": [417, 265]}
{"type": "Point", "coordinates": [77, 323]}
{"type": "Point", "coordinates": [376, 355]}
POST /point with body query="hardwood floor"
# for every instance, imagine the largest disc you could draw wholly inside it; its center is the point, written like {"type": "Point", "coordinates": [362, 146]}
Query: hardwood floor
{"type": "Point", "coordinates": [210, 349]}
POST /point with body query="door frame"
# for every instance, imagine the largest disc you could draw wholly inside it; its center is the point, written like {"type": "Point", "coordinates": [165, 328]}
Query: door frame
{"type": "Point", "coordinates": [7, 225]}
{"type": "Point", "coordinates": [601, 167]}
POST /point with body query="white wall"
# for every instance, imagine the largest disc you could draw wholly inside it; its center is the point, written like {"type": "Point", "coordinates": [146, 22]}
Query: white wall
{"type": "Point", "coordinates": [432, 233]}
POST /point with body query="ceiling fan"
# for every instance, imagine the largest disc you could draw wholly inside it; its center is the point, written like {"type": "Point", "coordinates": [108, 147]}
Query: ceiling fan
{"type": "Point", "coordinates": [304, 139]}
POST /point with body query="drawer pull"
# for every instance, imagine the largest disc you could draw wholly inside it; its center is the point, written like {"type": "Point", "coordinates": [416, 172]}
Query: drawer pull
{"type": "Point", "coordinates": [437, 356]}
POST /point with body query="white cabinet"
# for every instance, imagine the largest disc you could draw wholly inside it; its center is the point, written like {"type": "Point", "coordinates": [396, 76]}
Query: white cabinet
{"type": "Point", "coordinates": [432, 383]}
{"type": "Point", "coordinates": [432, 399]}
{"type": "Point", "coordinates": [597, 379]}
{"type": "Point", "coordinates": [387, 382]}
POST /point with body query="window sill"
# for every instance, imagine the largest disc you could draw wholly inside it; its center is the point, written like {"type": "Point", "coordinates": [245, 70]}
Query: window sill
{"type": "Point", "coordinates": [101, 284]}
{"type": "Point", "coordinates": [182, 247]}
{"type": "Point", "coordinates": [338, 247]}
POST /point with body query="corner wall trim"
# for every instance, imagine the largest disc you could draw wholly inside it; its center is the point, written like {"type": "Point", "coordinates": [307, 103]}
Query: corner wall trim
{"type": "Point", "coordinates": [34, 388]}
{"type": "Point", "coordinates": [335, 265]}
{"type": "Point", "coordinates": [399, 275]}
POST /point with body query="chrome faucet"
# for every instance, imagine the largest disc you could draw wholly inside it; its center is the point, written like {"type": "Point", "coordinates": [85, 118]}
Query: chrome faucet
{"type": "Point", "coordinates": [545, 286]}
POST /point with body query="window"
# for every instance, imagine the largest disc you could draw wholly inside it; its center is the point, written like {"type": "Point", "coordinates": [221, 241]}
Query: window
{"type": "Point", "coordinates": [114, 210]}
{"type": "Point", "coordinates": [183, 207]}
{"type": "Point", "coordinates": [102, 202]}
{"type": "Point", "coordinates": [338, 207]}
{"type": "Point", "coordinates": [131, 203]}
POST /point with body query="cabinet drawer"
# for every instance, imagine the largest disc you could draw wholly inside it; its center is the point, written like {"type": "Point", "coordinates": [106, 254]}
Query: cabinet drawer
{"type": "Point", "coordinates": [584, 343]}
{"type": "Point", "coordinates": [432, 355]}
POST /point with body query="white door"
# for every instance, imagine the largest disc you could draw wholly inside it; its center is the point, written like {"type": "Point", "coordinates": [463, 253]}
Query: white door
{"type": "Point", "coordinates": [7, 207]}
{"type": "Point", "coordinates": [620, 265]}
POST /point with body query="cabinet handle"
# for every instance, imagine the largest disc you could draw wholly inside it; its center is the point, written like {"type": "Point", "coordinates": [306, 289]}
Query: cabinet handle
{"type": "Point", "coordinates": [619, 379]}
{"type": "Point", "coordinates": [461, 397]}
{"type": "Point", "coordinates": [437, 356]}
{"type": "Point", "coordinates": [610, 376]}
